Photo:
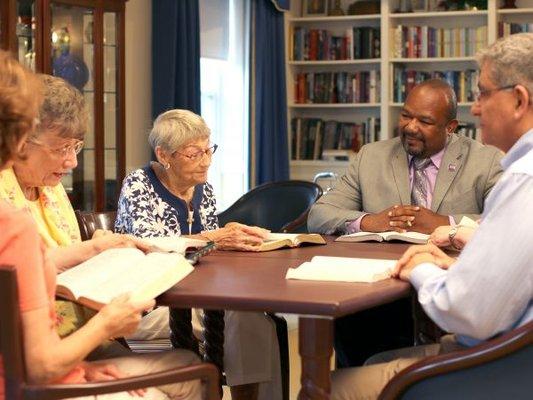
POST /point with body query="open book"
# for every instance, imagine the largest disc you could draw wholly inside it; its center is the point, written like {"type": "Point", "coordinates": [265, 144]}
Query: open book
{"type": "Point", "coordinates": [113, 272]}
{"type": "Point", "coordinates": [278, 240]}
{"type": "Point", "coordinates": [409, 237]}
{"type": "Point", "coordinates": [176, 244]}
{"type": "Point", "coordinates": [342, 269]}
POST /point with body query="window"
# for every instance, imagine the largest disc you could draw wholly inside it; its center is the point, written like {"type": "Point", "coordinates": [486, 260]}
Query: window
{"type": "Point", "coordinates": [224, 33]}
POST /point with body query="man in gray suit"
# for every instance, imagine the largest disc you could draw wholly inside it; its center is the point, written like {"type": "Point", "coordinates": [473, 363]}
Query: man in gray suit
{"type": "Point", "coordinates": [425, 178]}
{"type": "Point", "coordinates": [379, 191]}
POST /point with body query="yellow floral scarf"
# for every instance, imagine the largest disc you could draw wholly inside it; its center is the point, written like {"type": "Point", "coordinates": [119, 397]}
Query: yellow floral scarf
{"type": "Point", "coordinates": [52, 212]}
{"type": "Point", "coordinates": [57, 226]}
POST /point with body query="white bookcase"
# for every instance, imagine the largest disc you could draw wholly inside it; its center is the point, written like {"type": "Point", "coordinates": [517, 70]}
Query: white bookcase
{"type": "Point", "coordinates": [388, 19]}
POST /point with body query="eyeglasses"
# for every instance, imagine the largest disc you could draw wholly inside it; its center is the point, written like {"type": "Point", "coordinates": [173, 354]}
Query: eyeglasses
{"type": "Point", "coordinates": [484, 93]}
{"type": "Point", "coordinates": [64, 151]}
{"type": "Point", "coordinates": [198, 155]}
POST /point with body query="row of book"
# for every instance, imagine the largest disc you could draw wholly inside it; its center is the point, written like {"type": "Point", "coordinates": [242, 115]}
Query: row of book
{"type": "Point", "coordinates": [469, 129]}
{"type": "Point", "coordinates": [316, 139]}
{"type": "Point", "coordinates": [320, 44]}
{"type": "Point", "coordinates": [463, 82]}
{"type": "Point", "coordinates": [337, 87]}
{"type": "Point", "coordinates": [510, 28]}
{"type": "Point", "coordinates": [426, 41]}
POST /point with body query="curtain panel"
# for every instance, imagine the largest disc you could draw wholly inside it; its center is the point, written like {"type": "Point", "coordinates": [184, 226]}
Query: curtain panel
{"type": "Point", "coordinates": [268, 116]}
{"type": "Point", "coordinates": [175, 56]}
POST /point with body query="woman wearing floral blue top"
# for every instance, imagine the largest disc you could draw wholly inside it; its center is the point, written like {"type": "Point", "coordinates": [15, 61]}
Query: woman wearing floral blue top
{"type": "Point", "coordinates": [172, 197]}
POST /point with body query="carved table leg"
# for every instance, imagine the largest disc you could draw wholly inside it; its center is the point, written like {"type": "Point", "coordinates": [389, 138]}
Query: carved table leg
{"type": "Point", "coordinates": [316, 347]}
{"type": "Point", "coordinates": [214, 339]}
{"type": "Point", "coordinates": [181, 334]}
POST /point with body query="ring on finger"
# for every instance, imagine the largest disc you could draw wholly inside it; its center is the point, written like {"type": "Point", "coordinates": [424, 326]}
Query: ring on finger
{"type": "Point", "coordinates": [409, 223]}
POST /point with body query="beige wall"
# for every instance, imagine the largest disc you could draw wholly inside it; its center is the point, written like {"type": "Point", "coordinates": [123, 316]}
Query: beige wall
{"type": "Point", "coordinates": [138, 82]}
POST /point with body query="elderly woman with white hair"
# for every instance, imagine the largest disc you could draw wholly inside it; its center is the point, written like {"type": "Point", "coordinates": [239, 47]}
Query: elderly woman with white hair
{"type": "Point", "coordinates": [172, 197]}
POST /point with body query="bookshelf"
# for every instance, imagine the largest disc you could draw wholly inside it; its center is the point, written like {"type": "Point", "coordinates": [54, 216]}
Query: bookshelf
{"type": "Point", "coordinates": [475, 28]}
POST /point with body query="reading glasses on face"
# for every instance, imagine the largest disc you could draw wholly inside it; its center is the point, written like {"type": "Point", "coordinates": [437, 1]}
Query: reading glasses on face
{"type": "Point", "coordinates": [62, 151]}
{"type": "Point", "coordinates": [198, 155]}
{"type": "Point", "coordinates": [484, 93]}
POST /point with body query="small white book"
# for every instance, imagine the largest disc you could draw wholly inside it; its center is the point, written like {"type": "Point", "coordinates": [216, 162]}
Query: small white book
{"type": "Point", "coordinates": [97, 281]}
{"type": "Point", "coordinates": [176, 244]}
{"type": "Point", "coordinates": [409, 237]}
{"type": "Point", "coordinates": [342, 269]}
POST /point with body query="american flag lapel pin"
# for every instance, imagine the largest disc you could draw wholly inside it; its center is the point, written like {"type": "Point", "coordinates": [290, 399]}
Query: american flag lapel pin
{"type": "Point", "coordinates": [451, 167]}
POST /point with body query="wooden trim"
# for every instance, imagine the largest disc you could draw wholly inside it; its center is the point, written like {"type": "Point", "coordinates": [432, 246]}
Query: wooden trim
{"type": "Point", "coordinates": [4, 24]}
{"type": "Point", "coordinates": [99, 138]}
{"type": "Point", "coordinates": [11, 26]}
{"type": "Point", "coordinates": [121, 99]}
{"type": "Point", "coordinates": [43, 45]}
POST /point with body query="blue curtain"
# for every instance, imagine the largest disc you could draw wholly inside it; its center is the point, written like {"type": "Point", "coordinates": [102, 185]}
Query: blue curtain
{"type": "Point", "coordinates": [269, 103]}
{"type": "Point", "coordinates": [175, 56]}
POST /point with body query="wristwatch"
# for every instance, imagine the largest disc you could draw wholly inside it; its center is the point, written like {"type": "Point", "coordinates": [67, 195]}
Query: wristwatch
{"type": "Point", "coordinates": [451, 236]}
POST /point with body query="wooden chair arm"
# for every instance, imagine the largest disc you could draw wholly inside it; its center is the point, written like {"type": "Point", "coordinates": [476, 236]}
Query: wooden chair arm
{"type": "Point", "coordinates": [208, 373]}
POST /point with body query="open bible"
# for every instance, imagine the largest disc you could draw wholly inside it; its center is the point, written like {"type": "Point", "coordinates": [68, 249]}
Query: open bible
{"type": "Point", "coordinates": [176, 244]}
{"type": "Point", "coordinates": [278, 240]}
{"type": "Point", "coordinates": [409, 237]}
{"type": "Point", "coordinates": [113, 272]}
{"type": "Point", "coordinates": [342, 269]}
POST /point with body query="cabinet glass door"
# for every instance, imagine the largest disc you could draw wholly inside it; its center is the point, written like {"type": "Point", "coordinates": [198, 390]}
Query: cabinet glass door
{"type": "Point", "coordinates": [72, 55]}
{"type": "Point", "coordinates": [25, 32]}
{"type": "Point", "coordinates": [111, 56]}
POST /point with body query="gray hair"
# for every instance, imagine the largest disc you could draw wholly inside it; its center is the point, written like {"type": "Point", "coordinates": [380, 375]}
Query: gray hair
{"type": "Point", "coordinates": [63, 109]}
{"type": "Point", "coordinates": [510, 61]}
{"type": "Point", "coordinates": [175, 128]}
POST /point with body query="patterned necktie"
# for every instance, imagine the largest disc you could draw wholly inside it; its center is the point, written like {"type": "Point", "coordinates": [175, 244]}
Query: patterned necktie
{"type": "Point", "coordinates": [420, 182]}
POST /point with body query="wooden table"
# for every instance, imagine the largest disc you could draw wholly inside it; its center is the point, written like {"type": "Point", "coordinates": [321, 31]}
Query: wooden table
{"type": "Point", "coordinates": [256, 282]}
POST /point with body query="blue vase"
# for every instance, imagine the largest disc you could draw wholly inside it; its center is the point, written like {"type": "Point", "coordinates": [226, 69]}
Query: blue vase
{"type": "Point", "coordinates": [72, 69]}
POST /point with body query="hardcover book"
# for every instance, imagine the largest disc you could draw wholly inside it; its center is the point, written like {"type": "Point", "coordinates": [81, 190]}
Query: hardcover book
{"type": "Point", "coordinates": [276, 241]}
{"type": "Point", "coordinates": [97, 281]}
{"type": "Point", "coordinates": [409, 237]}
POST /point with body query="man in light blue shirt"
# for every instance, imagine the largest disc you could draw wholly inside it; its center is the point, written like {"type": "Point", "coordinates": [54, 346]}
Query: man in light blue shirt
{"type": "Point", "coordinates": [488, 290]}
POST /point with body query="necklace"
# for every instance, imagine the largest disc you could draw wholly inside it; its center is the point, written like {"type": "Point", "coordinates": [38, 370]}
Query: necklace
{"type": "Point", "coordinates": [190, 218]}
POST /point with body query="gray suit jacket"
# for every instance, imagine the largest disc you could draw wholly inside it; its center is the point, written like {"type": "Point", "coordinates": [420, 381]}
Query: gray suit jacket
{"type": "Point", "coordinates": [378, 178]}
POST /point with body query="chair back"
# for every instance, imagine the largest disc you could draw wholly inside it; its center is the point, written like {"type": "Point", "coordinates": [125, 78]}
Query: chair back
{"type": "Point", "coordinates": [498, 369]}
{"type": "Point", "coordinates": [278, 206]}
{"type": "Point", "coordinates": [10, 334]}
{"type": "Point", "coordinates": [90, 221]}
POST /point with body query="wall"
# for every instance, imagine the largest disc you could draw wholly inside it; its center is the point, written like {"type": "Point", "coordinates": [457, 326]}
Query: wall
{"type": "Point", "coordinates": [138, 82]}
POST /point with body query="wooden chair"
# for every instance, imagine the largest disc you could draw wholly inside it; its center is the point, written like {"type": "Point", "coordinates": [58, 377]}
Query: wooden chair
{"type": "Point", "coordinates": [501, 368]}
{"type": "Point", "coordinates": [16, 387]}
{"type": "Point", "coordinates": [91, 221]}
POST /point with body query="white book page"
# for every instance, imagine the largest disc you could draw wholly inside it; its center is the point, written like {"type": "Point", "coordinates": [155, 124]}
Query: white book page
{"type": "Point", "coordinates": [117, 271]}
{"type": "Point", "coordinates": [98, 270]}
{"type": "Point", "coordinates": [174, 243]}
{"type": "Point", "coordinates": [281, 236]}
{"type": "Point", "coordinates": [343, 269]}
{"type": "Point", "coordinates": [412, 235]}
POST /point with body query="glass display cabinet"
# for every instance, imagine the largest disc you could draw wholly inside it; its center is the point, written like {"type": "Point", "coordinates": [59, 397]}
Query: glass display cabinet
{"type": "Point", "coordinates": [81, 41]}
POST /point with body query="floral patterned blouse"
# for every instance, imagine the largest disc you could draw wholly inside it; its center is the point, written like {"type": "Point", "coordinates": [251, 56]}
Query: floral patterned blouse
{"type": "Point", "coordinates": [146, 208]}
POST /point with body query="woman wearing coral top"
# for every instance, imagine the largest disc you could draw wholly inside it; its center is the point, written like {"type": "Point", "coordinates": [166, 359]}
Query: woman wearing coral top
{"type": "Point", "coordinates": [47, 357]}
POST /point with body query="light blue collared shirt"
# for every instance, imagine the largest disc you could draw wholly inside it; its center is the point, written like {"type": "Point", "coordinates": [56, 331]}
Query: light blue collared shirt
{"type": "Point", "coordinates": [489, 290]}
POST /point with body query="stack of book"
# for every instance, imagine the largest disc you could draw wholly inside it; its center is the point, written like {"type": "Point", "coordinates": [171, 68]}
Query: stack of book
{"type": "Point", "coordinates": [469, 129]}
{"type": "Point", "coordinates": [463, 82]}
{"type": "Point", "coordinates": [320, 44]}
{"type": "Point", "coordinates": [426, 41]}
{"type": "Point", "coordinates": [510, 28]}
{"type": "Point", "coordinates": [338, 87]}
{"type": "Point", "coordinates": [316, 139]}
